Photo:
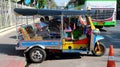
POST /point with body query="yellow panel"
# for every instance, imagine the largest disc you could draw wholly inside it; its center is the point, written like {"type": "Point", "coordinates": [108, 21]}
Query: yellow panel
{"type": "Point", "coordinates": [66, 45]}
{"type": "Point", "coordinates": [78, 46]}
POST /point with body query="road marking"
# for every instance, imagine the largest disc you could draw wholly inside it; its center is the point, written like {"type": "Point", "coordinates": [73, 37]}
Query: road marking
{"type": "Point", "coordinates": [16, 63]}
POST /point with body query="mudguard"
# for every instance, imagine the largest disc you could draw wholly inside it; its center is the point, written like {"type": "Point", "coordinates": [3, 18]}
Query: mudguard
{"type": "Point", "coordinates": [37, 45]}
{"type": "Point", "coordinates": [97, 38]}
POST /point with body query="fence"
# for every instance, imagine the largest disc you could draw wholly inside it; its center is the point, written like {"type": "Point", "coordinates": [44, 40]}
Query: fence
{"type": "Point", "coordinates": [7, 17]}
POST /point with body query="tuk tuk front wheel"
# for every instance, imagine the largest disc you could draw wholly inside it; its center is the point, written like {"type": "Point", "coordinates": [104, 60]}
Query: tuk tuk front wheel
{"type": "Point", "coordinates": [37, 55]}
{"type": "Point", "coordinates": [99, 50]}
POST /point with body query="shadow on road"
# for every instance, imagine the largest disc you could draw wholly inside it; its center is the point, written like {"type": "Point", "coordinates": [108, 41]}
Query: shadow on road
{"type": "Point", "coordinates": [13, 37]}
{"type": "Point", "coordinates": [60, 56]}
{"type": "Point", "coordinates": [102, 30]}
{"type": "Point", "coordinates": [63, 56]}
{"type": "Point", "coordinates": [9, 49]}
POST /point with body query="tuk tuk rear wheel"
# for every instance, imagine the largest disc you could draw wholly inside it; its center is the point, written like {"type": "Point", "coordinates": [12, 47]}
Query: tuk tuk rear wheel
{"type": "Point", "coordinates": [37, 55]}
{"type": "Point", "coordinates": [99, 51]}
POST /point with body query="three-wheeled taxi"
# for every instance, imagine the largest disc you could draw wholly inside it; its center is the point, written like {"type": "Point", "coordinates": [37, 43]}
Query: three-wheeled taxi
{"type": "Point", "coordinates": [62, 31]}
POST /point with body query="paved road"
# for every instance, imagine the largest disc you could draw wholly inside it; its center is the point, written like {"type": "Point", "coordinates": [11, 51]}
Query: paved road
{"type": "Point", "coordinates": [112, 36]}
{"type": "Point", "coordinates": [9, 55]}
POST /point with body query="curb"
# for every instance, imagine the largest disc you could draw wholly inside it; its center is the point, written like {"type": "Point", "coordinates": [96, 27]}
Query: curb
{"type": "Point", "coordinates": [7, 30]}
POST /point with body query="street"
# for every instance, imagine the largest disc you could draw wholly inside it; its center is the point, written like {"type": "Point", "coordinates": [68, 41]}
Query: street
{"type": "Point", "coordinates": [10, 56]}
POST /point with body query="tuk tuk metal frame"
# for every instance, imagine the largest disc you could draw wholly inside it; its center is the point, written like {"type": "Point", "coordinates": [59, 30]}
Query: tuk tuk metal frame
{"type": "Point", "coordinates": [35, 50]}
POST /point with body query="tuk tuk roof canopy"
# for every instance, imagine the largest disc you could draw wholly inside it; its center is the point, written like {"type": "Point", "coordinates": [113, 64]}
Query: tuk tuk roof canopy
{"type": "Point", "coordinates": [31, 12]}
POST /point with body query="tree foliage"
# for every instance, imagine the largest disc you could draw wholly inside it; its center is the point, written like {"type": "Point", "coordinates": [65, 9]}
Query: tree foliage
{"type": "Point", "coordinates": [38, 3]}
{"type": "Point", "coordinates": [15, 0]}
{"type": "Point", "coordinates": [41, 3]}
{"type": "Point", "coordinates": [118, 3]}
{"type": "Point", "coordinates": [80, 2]}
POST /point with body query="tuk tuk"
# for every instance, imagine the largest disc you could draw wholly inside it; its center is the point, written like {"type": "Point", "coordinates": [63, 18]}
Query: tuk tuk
{"type": "Point", "coordinates": [57, 35]}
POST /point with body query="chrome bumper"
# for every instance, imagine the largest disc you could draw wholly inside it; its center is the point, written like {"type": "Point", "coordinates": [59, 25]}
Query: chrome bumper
{"type": "Point", "coordinates": [20, 48]}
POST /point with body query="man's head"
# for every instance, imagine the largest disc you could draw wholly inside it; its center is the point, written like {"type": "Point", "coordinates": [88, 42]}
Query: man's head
{"type": "Point", "coordinates": [42, 19]}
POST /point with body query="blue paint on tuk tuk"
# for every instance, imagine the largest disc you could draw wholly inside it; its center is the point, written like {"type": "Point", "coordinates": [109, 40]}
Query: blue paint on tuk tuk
{"type": "Point", "coordinates": [44, 43]}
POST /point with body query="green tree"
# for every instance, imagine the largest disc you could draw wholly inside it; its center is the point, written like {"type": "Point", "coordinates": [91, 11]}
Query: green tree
{"type": "Point", "coordinates": [80, 2]}
{"type": "Point", "coordinates": [41, 3]}
{"type": "Point", "coordinates": [118, 3]}
{"type": "Point", "coordinates": [15, 0]}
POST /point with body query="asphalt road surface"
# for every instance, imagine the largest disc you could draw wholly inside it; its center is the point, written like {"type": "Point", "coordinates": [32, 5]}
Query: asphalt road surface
{"type": "Point", "coordinates": [111, 35]}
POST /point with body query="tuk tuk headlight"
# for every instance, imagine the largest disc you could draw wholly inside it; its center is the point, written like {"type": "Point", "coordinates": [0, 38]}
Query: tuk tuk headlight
{"type": "Point", "coordinates": [96, 31]}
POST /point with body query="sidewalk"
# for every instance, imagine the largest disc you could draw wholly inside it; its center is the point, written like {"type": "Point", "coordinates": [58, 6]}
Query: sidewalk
{"type": "Point", "coordinates": [9, 57]}
{"type": "Point", "coordinates": [12, 61]}
{"type": "Point", "coordinates": [7, 30]}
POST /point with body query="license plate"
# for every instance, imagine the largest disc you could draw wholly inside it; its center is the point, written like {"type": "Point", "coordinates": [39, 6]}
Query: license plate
{"type": "Point", "coordinates": [100, 23]}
